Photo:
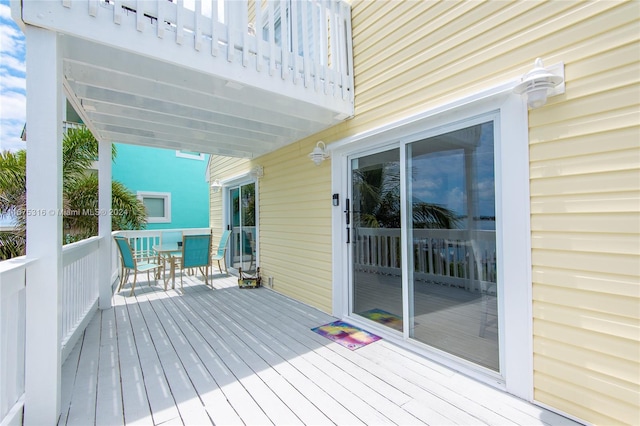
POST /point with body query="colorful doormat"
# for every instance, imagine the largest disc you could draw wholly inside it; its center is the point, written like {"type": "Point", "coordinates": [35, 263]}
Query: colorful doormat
{"type": "Point", "coordinates": [346, 334]}
{"type": "Point", "coordinates": [383, 317]}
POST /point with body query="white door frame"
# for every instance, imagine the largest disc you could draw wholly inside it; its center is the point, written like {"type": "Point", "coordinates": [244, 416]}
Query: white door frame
{"type": "Point", "coordinates": [226, 184]}
{"type": "Point", "coordinates": [513, 236]}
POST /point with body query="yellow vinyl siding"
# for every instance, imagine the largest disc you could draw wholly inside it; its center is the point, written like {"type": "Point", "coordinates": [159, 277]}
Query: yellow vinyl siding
{"type": "Point", "coordinates": [295, 225]}
{"type": "Point", "coordinates": [585, 199]}
{"type": "Point", "coordinates": [413, 56]}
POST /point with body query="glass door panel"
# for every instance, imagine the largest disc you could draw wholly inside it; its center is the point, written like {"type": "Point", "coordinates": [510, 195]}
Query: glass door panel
{"type": "Point", "coordinates": [242, 247]}
{"type": "Point", "coordinates": [375, 244]}
{"type": "Point", "coordinates": [453, 285]}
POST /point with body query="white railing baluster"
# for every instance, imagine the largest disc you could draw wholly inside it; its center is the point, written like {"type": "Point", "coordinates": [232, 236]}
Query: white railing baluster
{"type": "Point", "coordinates": [180, 22]}
{"type": "Point", "coordinates": [117, 12]}
{"type": "Point", "coordinates": [259, 36]}
{"type": "Point", "coordinates": [244, 28]}
{"type": "Point", "coordinates": [140, 16]}
{"type": "Point", "coordinates": [214, 31]}
{"type": "Point", "coordinates": [317, 45]}
{"type": "Point", "coordinates": [295, 40]}
{"type": "Point", "coordinates": [284, 38]}
{"type": "Point", "coordinates": [272, 41]}
{"type": "Point", "coordinates": [342, 49]}
{"type": "Point", "coordinates": [325, 43]}
{"type": "Point", "coordinates": [305, 43]}
{"type": "Point", "coordinates": [161, 20]}
{"type": "Point", "coordinates": [198, 24]}
{"type": "Point", "coordinates": [93, 7]}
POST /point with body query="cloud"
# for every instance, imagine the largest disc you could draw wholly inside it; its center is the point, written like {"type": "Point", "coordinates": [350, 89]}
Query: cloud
{"type": "Point", "coordinates": [13, 101]}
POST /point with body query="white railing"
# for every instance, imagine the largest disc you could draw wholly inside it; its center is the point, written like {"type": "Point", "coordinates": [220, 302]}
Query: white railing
{"type": "Point", "coordinates": [12, 338]}
{"type": "Point", "coordinates": [449, 256]}
{"type": "Point", "coordinates": [142, 241]}
{"type": "Point", "coordinates": [79, 292]}
{"type": "Point", "coordinates": [312, 44]}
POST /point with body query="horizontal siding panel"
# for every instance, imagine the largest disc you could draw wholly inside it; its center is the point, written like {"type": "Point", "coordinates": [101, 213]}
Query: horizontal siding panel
{"type": "Point", "coordinates": [620, 98]}
{"type": "Point", "coordinates": [566, 146]}
{"type": "Point", "coordinates": [622, 223]}
{"type": "Point", "coordinates": [617, 180]}
{"type": "Point", "coordinates": [599, 322]}
{"type": "Point", "coordinates": [618, 244]}
{"type": "Point", "coordinates": [603, 202]}
{"type": "Point", "coordinates": [609, 345]}
{"type": "Point", "coordinates": [578, 279]}
{"type": "Point", "coordinates": [596, 262]}
{"type": "Point", "coordinates": [610, 120]}
{"type": "Point", "coordinates": [620, 370]}
{"type": "Point", "coordinates": [601, 385]}
{"type": "Point", "coordinates": [624, 306]}
{"type": "Point", "coordinates": [620, 413]}
{"type": "Point", "coordinates": [624, 160]}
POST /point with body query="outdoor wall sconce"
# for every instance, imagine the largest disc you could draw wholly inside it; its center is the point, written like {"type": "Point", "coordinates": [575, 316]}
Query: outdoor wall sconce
{"type": "Point", "coordinates": [540, 82]}
{"type": "Point", "coordinates": [319, 153]}
{"type": "Point", "coordinates": [257, 172]}
{"type": "Point", "coordinates": [216, 185]}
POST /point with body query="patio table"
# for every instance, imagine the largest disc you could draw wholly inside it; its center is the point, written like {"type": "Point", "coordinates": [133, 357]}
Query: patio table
{"type": "Point", "coordinates": [169, 251]}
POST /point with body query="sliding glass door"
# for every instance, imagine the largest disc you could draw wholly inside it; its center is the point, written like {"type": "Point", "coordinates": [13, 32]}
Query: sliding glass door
{"type": "Point", "coordinates": [242, 215]}
{"type": "Point", "coordinates": [450, 301]}
{"type": "Point", "coordinates": [375, 245]}
{"type": "Point", "coordinates": [452, 237]}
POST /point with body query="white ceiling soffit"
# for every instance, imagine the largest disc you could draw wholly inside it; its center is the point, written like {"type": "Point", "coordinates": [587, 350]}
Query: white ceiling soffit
{"type": "Point", "coordinates": [131, 98]}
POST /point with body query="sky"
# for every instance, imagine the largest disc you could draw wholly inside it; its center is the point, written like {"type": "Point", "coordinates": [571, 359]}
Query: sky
{"type": "Point", "coordinates": [13, 101]}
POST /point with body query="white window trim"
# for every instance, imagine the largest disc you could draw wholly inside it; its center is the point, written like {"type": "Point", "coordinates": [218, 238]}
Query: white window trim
{"type": "Point", "coordinates": [512, 207]}
{"type": "Point", "coordinates": [181, 154]}
{"type": "Point", "coordinates": [167, 205]}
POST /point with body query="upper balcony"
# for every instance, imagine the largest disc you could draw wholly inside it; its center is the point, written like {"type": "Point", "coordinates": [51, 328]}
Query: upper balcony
{"type": "Point", "coordinates": [224, 77]}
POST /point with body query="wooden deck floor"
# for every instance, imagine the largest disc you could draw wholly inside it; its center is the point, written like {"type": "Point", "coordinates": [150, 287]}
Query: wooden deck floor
{"type": "Point", "coordinates": [229, 356]}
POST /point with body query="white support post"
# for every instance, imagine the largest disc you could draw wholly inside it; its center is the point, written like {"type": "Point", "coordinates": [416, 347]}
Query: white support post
{"type": "Point", "coordinates": [44, 227]}
{"type": "Point", "coordinates": [104, 223]}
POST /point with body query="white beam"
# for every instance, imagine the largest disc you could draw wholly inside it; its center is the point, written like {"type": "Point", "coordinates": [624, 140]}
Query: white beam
{"type": "Point", "coordinates": [44, 227]}
{"type": "Point", "coordinates": [104, 223]}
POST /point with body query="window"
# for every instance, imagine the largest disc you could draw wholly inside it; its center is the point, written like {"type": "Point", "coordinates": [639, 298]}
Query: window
{"type": "Point", "coordinates": [158, 205]}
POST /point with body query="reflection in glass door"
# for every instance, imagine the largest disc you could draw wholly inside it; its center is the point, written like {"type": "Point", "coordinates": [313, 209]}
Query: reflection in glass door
{"type": "Point", "coordinates": [375, 245]}
{"type": "Point", "coordinates": [450, 276]}
{"type": "Point", "coordinates": [242, 214]}
{"type": "Point", "coordinates": [453, 289]}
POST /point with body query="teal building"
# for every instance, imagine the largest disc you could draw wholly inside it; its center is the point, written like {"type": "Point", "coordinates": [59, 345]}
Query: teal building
{"type": "Point", "coordinates": [172, 184]}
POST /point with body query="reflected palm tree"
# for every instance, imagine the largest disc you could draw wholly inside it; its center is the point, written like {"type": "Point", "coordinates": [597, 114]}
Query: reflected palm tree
{"type": "Point", "coordinates": [378, 199]}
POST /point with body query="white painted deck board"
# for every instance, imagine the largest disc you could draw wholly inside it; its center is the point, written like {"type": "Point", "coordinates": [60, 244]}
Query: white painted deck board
{"type": "Point", "coordinates": [231, 356]}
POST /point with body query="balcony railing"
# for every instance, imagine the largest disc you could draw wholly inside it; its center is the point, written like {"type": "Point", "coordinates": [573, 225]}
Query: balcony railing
{"type": "Point", "coordinates": [449, 256]}
{"type": "Point", "coordinates": [79, 297]}
{"type": "Point", "coordinates": [302, 41]}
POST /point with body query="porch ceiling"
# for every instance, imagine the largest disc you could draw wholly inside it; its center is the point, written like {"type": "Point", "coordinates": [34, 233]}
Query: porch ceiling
{"type": "Point", "coordinates": [132, 98]}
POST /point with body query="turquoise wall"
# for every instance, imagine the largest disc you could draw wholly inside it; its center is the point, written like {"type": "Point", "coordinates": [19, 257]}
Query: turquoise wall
{"type": "Point", "coordinates": [147, 169]}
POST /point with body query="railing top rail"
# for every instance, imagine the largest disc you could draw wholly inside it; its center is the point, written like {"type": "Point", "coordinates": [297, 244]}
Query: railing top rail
{"type": "Point", "coordinates": [15, 263]}
{"type": "Point", "coordinates": [74, 251]}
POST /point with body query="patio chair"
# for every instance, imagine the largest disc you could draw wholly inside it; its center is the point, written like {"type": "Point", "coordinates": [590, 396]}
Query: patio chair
{"type": "Point", "coordinates": [196, 253]}
{"type": "Point", "coordinates": [222, 251]}
{"type": "Point", "coordinates": [130, 263]}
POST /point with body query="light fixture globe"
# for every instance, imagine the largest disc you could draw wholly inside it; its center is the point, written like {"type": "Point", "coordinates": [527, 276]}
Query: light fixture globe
{"type": "Point", "coordinates": [216, 185]}
{"type": "Point", "coordinates": [536, 85]}
{"type": "Point", "coordinates": [319, 154]}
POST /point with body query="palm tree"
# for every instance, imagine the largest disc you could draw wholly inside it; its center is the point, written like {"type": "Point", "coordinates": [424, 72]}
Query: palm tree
{"type": "Point", "coordinates": [80, 194]}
